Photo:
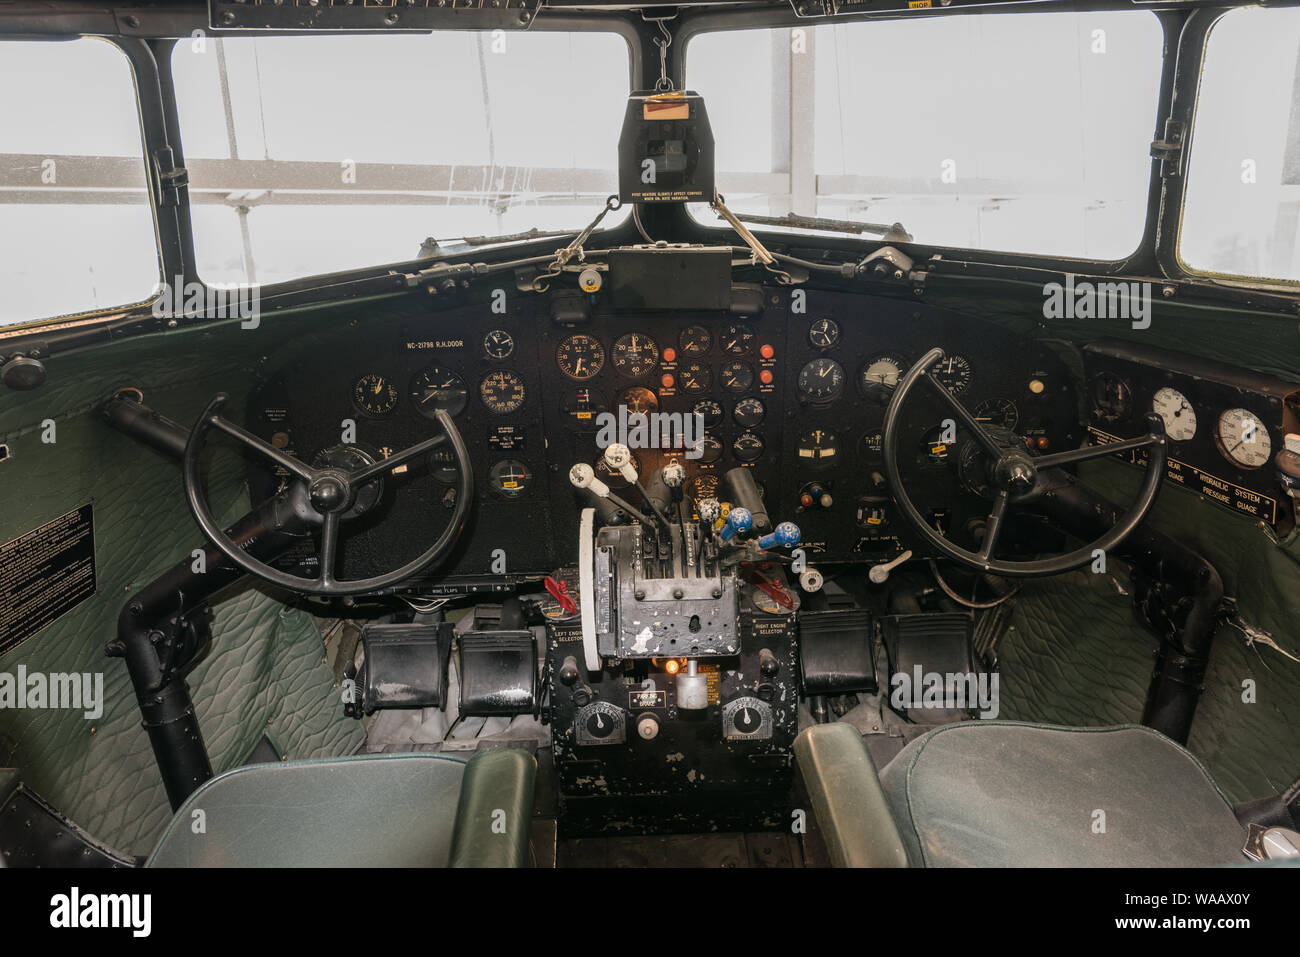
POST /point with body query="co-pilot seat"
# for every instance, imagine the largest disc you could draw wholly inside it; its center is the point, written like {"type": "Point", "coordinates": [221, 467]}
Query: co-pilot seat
{"type": "Point", "coordinates": [390, 810]}
{"type": "Point", "coordinates": [1009, 794]}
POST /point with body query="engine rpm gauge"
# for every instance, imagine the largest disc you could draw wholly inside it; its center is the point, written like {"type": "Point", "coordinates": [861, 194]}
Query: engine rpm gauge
{"type": "Point", "coordinates": [635, 355]}
{"type": "Point", "coordinates": [1243, 439]}
{"type": "Point", "coordinates": [374, 395]}
{"type": "Point", "coordinates": [953, 373]}
{"type": "Point", "coordinates": [580, 356]}
{"type": "Point", "coordinates": [1179, 416]}
{"type": "Point", "coordinates": [502, 392]}
{"type": "Point", "coordinates": [437, 389]}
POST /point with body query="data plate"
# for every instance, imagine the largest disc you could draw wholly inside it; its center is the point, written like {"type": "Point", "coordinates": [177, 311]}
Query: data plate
{"type": "Point", "coordinates": [46, 573]}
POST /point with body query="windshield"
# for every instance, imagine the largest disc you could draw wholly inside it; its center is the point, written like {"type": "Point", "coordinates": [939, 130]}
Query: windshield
{"type": "Point", "coordinates": [1025, 133]}
{"type": "Point", "coordinates": [441, 137]}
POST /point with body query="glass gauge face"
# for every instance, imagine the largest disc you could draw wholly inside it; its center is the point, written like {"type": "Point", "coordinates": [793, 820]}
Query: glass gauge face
{"type": "Point", "coordinates": [498, 344]}
{"type": "Point", "coordinates": [871, 444]}
{"type": "Point", "coordinates": [821, 380]}
{"type": "Point", "coordinates": [710, 450]}
{"type": "Point", "coordinates": [749, 412]}
{"type": "Point", "coordinates": [1112, 398]}
{"type": "Point", "coordinates": [639, 399]}
{"type": "Point", "coordinates": [442, 462]}
{"type": "Point", "coordinates": [737, 339]}
{"type": "Point", "coordinates": [509, 478]}
{"type": "Point", "coordinates": [437, 389]}
{"type": "Point", "coordinates": [818, 449]}
{"type": "Point", "coordinates": [953, 373]}
{"type": "Point", "coordinates": [999, 412]}
{"type": "Point", "coordinates": [736, 377]}
{"type": "Point", "coordinates": [502, 392]}
{"type": "Point", "coordinates": [823, 333]}
{"type": "Point", "coordinates": [748, 446]}
{"type": "Point", "coordinates": [1178, 415]}
{"type": "Point", "coordinates": [1243, 439]}
{"type": "Point", "coordinates": [710, 411]}
{"type": "Point", "coordinates": [694, 377]}
{"type": "Point", "coordinates": [881, 373]}
{"type": "Point", "coordinates": [374, 395]}
{"type": "Point", "coordinates": [695, 341]}
{"type": "Point", "coordinates": [580, 356]}
{"type": "Point", "coordinates": [635, 355]}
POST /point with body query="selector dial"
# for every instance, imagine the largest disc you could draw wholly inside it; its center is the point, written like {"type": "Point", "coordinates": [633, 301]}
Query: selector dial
{"type": "Point", "coordinates": [746, 719]}
{"type": "Point", "coordinates": [600, 723]}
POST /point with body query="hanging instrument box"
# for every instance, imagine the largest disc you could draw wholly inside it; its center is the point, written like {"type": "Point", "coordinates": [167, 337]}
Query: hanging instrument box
{"type": "Point", "coordinates": [665, 152]}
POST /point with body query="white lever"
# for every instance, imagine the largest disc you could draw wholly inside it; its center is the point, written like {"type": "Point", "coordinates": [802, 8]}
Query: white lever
{"type": "Point", "coordinates": [879, 573]}
{"type": "Point", "coordinates": [619, 458]}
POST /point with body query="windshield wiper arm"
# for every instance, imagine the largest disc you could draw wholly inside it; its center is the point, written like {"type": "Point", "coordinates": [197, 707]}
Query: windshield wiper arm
{"type": "Point", "coordinates": [432, 248]}
{"type": "Point", "coordinates": [893, 232]}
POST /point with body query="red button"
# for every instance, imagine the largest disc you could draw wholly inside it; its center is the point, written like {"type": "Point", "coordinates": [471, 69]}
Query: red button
{"type": "Point", "coordinates": [765, 377]}
{"type": "Point", "coordinates": [667, 381]}
{"type": "Point", "coordinates": [670, 354]}
{"type": "Point", "coordinates": [767, 352]}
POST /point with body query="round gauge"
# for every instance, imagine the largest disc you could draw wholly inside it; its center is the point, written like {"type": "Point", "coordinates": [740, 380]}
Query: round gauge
{"type": "Point", "coordinates": [509, 478]}
{"type": "Point", "coordinates": [953, 373]}
{"type": "Point", "coordinates": [374, 395]}
{"type": "Point", "coordinates": [639, 399]}
{"type": "Point", "coordinates": [634, 355]}
{"type": "Point", "coordinates": [748, 446]}
{"type": "Point", "coordinates": [695, 341]}
{"type": "Point", "coordinates": [749, 412]}
{"type": "Point", "coordinates": [498, 344]}
{"type": "Point", "coordinates": [442, 461]}
{"type": "Point", "coordinates": [934, 450]}
{"type": "Point", "coordinates": [737, 339]}
{"type": "Point", "coordinates": [710, 411]}
{"type": "Point", "coordinates": [1000, 412]}
{"type": "Point", "coordinates": [817, 449]}
{"type": "Point", "coordinates": [872, 443]}
{"type": "Point", "coordinates": [881, 373]}
{"type": "Point", "coordinates": [736, 377]}
{"type": "Point", "coordinates": [580, 356]}
{"type": "Point", "coordinates": [1180, 418]}
{"type": "Point", "coordinates": [502, 391]}
{"type": "Point", "coordinates": [821, 380]}
{"type": "Point", "coordinates": [694, 377]}
{"type": "Point", "coordinates": [710, 450]}
{"type": "Point", "coordinates": [1112, 398]}
{"type": "Point", "coordinates": [612, 477]}
{"type": "Point", "coordinates": [703, 486]}
{"type": "Point", "coordinates": [1243, 438]}
{"type": "Point", "coordinates": [583, 403]}
{"type": "Point", "coordinates": [824, 333]}
{"type": "Point", "coordinates": [436, 388]}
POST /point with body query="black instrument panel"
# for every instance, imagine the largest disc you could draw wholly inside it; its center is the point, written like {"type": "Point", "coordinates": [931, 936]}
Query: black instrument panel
{"type": "Point", "coordinates": [795, 392]}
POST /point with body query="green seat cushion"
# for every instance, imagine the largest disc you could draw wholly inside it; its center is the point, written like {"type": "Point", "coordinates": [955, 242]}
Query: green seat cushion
{"type": "Point", "coordinates": [393, 810]}
{"type": "Point", "coordinates": [1006, 794]}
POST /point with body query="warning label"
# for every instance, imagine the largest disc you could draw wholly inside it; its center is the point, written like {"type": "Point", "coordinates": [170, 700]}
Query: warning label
{"type": "Point", "coordinates": [46, 573]}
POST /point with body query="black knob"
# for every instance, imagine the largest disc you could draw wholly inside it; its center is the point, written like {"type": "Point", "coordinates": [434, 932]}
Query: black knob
{"type": "Point", "coordinates": [569, 670]}
{"type": "Point", "coordinates": [767, 663]}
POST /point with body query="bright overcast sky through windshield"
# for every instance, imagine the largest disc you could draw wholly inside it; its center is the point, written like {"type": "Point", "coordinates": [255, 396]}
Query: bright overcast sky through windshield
{"type": "Point", "coordinates": [446, 136]}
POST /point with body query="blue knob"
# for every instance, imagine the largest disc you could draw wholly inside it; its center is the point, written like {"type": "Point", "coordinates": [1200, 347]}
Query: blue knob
{"type": "Point", "coordinates": [738, 520]}
{"type": "Point", "coordinates": [783, 536]}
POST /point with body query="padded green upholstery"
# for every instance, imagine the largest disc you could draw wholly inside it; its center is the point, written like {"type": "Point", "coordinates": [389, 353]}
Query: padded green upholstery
{"type": "Point", "coordinates": [1005, 794]}
{"type": "Point", "coordinates": [849, 808]}
{"type": "Point", "coordinates": [396, 810]}
{"type": "Point", "coordinates": [494, 816]}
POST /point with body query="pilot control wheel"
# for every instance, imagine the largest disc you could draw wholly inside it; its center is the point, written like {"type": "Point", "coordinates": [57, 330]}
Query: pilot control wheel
{"type": "Point", "coordinates": [343, 484]}
{"type": "Point", "coordinates": [1005, 472]}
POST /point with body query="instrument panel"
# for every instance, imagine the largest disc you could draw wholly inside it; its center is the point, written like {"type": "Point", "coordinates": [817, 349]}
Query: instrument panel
{"type": "Point", "coordinates": [794, 391]}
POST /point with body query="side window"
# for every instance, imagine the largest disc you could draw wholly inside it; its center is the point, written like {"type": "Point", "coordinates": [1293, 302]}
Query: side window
{"type": "Point", "coordinates": [76, 222]}
{"type": "Point", "coordinates": [1241, 214]}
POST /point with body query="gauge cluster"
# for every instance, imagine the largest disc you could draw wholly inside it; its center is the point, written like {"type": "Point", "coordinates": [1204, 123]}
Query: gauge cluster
{"type": "Point", "coordinates": [798, 397]}
{"type": "Point", "coordinates": [1225, 424]}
